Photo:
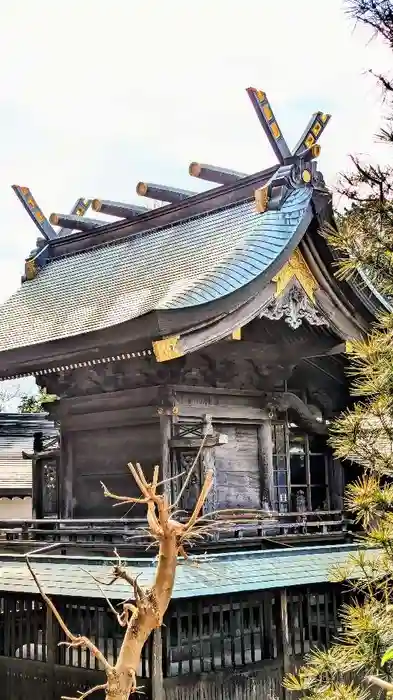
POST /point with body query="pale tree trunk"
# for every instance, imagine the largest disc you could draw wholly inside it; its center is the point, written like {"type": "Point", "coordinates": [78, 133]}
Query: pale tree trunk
{"type": "Point", "coordinates": [149, 605]}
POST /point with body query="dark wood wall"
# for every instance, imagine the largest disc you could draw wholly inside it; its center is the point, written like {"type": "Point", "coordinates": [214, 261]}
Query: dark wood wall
{"type": "Point", "coordinates": [102, 456]}
{"type": "Point", "coordinates": [100, 434]}
{"type": "Point", "coordinates": [112, 413]}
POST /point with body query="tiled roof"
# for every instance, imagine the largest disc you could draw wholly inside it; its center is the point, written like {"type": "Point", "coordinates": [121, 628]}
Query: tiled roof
{"type": "Point", "coordinates": [216, 574]}
{"type": "Point", "coordinates": [15, 472]}
{"type": "Point", "coordinates": [16, 434]}
{"type": "Point", "coordinates": [178, 266]}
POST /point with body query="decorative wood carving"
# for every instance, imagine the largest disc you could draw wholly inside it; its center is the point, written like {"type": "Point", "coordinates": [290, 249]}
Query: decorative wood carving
{"type": "Point", "coordinates": [280, 402]}
{"type": "Point", "coordinates": [190, 496]}
{"type": "Point", "coordinates": [50, 488]}
{"type": "Point", "coordinates": [209, 465]}
{"type": "Point", "coordinates": [266, 355]}
{"type": "Point", "coordinates": [294, 306]}
{"type": "Point", "coordinates": [199, 369]}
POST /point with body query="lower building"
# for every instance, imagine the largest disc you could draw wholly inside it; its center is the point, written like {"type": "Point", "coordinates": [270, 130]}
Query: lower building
{"type": "Point", "coordinates": [17, 434]}
{"type": "Point", "coordinates": [237, 622]}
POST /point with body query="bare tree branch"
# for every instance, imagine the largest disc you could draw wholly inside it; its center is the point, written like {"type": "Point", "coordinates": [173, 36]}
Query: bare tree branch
{"type": "Point", "coordinates": [145, 610]}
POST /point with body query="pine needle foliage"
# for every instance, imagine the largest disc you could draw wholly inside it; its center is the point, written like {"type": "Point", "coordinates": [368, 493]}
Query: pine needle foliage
{"type": "Point", "coordinates": [359, 664]}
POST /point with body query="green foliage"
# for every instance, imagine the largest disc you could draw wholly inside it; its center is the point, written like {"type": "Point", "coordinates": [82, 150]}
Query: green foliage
{"type": "Point", "coordinates": [388, 656]}
{"type": "Point", "coordinates": [359, 665]}
{"type": "Point", "coordinates": [35, 403]}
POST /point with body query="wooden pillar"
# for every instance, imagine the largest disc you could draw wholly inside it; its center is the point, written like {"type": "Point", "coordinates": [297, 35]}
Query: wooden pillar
{"type": "Point", "coordinates": [285, 640]}
{"type": "Point", "coordinates": [336, 484]}
{"type": "Point", "coordinates": [208, 460]}
{"type": "Point", "coordinates": [166, 434]}
{"type": "Point", "coordinates": [36, 479]}
{"type": "Point", "coordinates": [65, 475]}
{"type": "Point", "coordinates": [156, 669]}
{"type": "Point", "coordinates": [265, 448]}
{"type": "Point", "coordinates": [210, 505]}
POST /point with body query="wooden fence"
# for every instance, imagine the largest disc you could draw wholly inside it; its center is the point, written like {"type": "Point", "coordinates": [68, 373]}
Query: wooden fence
{"type": "Point", "coordinates": [217, 648]}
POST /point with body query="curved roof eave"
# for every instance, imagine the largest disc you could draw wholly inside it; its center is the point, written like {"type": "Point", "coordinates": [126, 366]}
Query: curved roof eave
{"type": "Point", "coordinates": [382, 300]}
{"type": "Point", "coordinates": [202, 260]}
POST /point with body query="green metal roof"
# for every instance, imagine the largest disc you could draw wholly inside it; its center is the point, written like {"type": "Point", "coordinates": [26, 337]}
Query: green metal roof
{"type": "Point", "coordinates": [216, 574]}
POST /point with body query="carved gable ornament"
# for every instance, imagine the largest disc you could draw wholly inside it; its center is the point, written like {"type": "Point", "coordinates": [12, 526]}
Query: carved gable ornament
{"type": "Point", "coordinates": [296, 268]}
{"type": "Point", "coordinates": [294, 298]}
{"type": "Point", "coordinates": [294, 306]}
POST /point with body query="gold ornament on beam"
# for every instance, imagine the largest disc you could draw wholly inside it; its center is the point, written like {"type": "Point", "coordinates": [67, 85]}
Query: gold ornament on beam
{"type": "Point", "coordinates": [166, 349]}
{"type": "Point", "coordinates": [261, 197]}
{"type": "Point", "coordinates": [31, 269]}
{"type": "Point", "coordinates": [296, 267]}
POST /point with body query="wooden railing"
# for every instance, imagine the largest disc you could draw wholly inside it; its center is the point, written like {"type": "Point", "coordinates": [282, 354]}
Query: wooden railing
{"type": "Point", "coordinates": [236, 532]}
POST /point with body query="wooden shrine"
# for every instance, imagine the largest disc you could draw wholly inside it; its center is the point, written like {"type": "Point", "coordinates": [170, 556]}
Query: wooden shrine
{"type": "Point", "coordinates": [210, 328]}
{"type": "Point", "coordinates": [221, 304]}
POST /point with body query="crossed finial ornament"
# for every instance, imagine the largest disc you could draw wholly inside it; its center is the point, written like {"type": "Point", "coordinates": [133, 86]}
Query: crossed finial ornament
{"type": "Point", "coordinates": [297, 166]}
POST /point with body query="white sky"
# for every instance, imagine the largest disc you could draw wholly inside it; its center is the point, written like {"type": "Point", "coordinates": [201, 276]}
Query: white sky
{"type": "Point", "coordinates": [98, 94]}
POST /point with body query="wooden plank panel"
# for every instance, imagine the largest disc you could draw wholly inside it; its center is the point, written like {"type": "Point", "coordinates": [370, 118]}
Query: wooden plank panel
{"type": "Point", "coordinates": [113, 449]}
{"type": "Point", "coordinates": [237, 468]}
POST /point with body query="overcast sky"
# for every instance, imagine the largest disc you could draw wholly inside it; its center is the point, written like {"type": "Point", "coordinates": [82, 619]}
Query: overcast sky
{"type": "Point", "coordinates": [98, 94]}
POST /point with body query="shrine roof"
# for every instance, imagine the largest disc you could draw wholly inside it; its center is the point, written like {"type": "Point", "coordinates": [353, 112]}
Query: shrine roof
{"type": "Point", "coordinates": [217, 574]}
{"type": "Point", "coordinates": [16, 435]}
{"type": "Point", "coordinates": [193, 262]}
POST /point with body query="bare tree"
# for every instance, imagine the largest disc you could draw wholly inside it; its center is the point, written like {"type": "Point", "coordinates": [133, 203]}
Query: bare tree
{"type": "Point", "coordinates": [149, 604]}
{"type": "Point", "coordinates": [9, 392]}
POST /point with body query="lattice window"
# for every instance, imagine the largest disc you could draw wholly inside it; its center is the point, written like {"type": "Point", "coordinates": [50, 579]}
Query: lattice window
{"type": "Point", "coordinates": [184, 461]}
{"type": "Point", "coordinates": [49, 488]}
{"type": "Point", "coordinates": [301, 470]}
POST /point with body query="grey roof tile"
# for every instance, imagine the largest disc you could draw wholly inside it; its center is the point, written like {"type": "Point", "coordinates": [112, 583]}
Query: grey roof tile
{"type": "Point", "coordinates": [16, 434]}
{"type": "Point", "coordinates": [215, 575]}
{"type": "Point", "coordinates": [15, 472]}
{"type": "Point", "coordinates": [182, 265]}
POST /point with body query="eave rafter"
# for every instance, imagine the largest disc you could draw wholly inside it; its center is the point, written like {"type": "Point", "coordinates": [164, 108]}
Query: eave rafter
{"type": "Point", "coordinates": [167, 348]}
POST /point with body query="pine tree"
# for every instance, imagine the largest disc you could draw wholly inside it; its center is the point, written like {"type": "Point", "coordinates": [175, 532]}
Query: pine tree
{"type": "Point", "coordinates": [360, 663]}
